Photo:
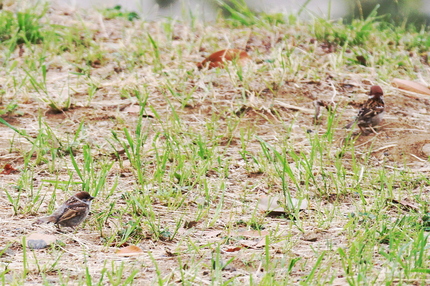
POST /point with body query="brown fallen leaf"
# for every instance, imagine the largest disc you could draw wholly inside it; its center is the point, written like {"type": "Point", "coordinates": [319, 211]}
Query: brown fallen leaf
{"type": "Point", "coordinates": [131, 250]}
{"type": "Point", "coordinates": [310, 236]}
{"type": "Point", "coordinates": [170, 253]}
{"type": "Point", "coordinates": [253, 244]}
{"type": "Point", "coordinates": [260, 243]}
{"type": "Point", "coordinates": [410, 86]}
{"type": "Point", "coordinates": [218, 59]}
{"type": "Point", "coordinates": [8, 169]}
{"type": "Point", "coordinates": [361, 60]}
{"type": "Point", "coordinates": [255, 239]}
{"type": "Point", "coordinates": [274, 205]}
{"type": "Point", "coordinates": [405, 205]}
{"type": "Point", "coordinates": [135, 110]}
{"type": "Point", "coordinates": [233, 249]}
{"type": "Point", "coordinates": [190, 224]}
{"type": "Point", "coordinates": [251, 233]}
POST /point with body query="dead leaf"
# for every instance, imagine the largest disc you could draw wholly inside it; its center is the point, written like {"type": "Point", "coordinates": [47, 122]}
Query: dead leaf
{"type": "Point", "coordinates": [8, 169]}
{"type": "Point", "coordinates": [170, 253]}
{"type": "Point", "coordinates": [234, 249]}
{"type": "Point", "coordinates": [131, 250]}
{"type": "Point", "coordinates": [410, 86]}
{"type": "Point", "coordinates": [213, 233]}
{"type": "Point", "coordinates": [40, 240]}
{"type": "Point", "coordinates": [257, 238]}
{"type": "Point", "coordinates": [260, 243]}
{"type": "Point", "coordinates": [361, 60]}
{"type": "Point", "coordinates": [218, 59]}
{"type": "Point", "coordinates": [273, 204]}
{"type": "Point", "coordinates": [247, 243]}
{"type": "Point", "coordinates": [311, 236]}
{"type": "Point", "coordinates": [190, 224]}
{"type": "Point", "coordinates": [253, 244]}
{"type": "Point", "coordinates": [405, 205]}
{"type": "Point", "coordinates": [252, 233]}
{"type": "Point", "coordinates": [135, 110]}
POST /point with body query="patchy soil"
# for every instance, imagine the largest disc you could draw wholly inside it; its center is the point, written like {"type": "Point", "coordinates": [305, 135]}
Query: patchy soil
{"type": "Point", "coordinates": [275, 115]}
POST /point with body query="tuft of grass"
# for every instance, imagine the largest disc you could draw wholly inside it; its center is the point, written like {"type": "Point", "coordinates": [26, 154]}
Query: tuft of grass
{"type": "Point", "coordinates": [117, 12]}
{"type": "Point", "coordinates": [179, 158]}
{"type": "Point", "coordinates": [358, 32]}
{"type": "Point", "coordinates": [237, 13]}
{"type": "Point", "coordinates": [22, 27]}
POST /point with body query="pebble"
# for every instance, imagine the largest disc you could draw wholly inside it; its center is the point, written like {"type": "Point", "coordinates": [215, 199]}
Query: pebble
{"type": "Point", "coordinates": [426, 149]}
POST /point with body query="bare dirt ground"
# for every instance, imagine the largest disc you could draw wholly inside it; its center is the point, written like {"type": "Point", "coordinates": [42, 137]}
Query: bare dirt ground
{"type": "Point", "coordinates": [266, 114]}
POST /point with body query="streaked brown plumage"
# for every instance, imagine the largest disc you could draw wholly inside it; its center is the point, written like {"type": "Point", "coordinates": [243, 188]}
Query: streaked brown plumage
{"type": "Point", "coordinates": [72, 213]}
{"type": "Point", "coordinates": [372, 112]}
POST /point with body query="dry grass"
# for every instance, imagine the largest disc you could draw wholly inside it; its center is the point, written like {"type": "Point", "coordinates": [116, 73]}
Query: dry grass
{"type": "Point", "coordinates": [123, 112]}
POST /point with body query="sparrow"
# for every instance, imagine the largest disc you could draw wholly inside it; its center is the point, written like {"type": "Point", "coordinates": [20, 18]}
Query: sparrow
{"type": "Point", "coordinates": [372, 111]}
{"type": "Point", "coordinates": [71, 213]}
{"type": "Point", "coordinates": [218, 59]}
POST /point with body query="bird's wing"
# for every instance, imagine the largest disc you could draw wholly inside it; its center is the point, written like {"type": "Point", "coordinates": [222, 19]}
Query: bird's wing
{"type": "Point", "coordinates": [72, 211]}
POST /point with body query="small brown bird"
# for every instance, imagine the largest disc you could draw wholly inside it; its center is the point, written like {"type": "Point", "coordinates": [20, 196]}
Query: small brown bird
{"type": "Point", "coordinates": [72, 212]}
{"type": "Point", "coordinates": [218, 59]}
{"type": "Point", "coordinates": [372, 111]}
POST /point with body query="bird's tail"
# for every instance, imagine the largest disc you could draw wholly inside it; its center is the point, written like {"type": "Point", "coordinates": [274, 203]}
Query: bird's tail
{"type": "Point", "coordinates": [349, 125]}
{"type": "Point", "coordinates": [46, 219]}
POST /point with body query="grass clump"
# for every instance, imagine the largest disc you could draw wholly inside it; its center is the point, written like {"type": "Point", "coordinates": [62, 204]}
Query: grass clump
{"type": "Point", "coordinates": [359, 32]}
{"type": "Point", "coordinates": [179, 159]}
{"type": "Point", "coordinates": [238, 13]}
{"type": "Point", "coordinates": [117, 12]}
{"type": "Point", "coordinates": [22, 27]}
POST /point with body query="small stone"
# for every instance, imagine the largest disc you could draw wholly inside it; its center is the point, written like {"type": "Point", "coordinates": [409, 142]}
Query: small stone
{"type": "Point", "coordinates": [36, 244]}
{"type": "Point", "coordinates": [426, 149]}
{"type": "Point", "coordinates": [40, 240]}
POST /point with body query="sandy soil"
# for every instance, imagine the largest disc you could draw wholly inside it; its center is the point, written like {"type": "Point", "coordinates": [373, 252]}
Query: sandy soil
{"type": "Point", "coordinates": [398, 144]}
